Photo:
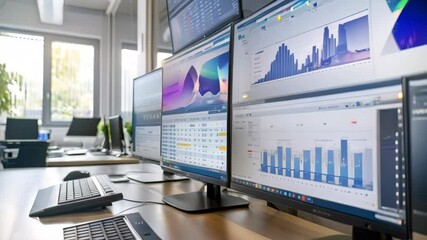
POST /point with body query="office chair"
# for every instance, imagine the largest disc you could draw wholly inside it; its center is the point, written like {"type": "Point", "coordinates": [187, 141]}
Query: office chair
{"type": "Point", "coordinates": [21, 128]}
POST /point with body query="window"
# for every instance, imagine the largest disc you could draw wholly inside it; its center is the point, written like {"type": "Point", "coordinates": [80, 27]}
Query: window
{"type": "Point", "coordinates": [49, 77]}
{"type": "Point", "coordinates": [162, 56]}
{"type": "Point", "coordinates": [72, 81]}
{"type": "Point", "coordinates": [21, 56]}
{"type": "Point", "coordinates": [129, 66]}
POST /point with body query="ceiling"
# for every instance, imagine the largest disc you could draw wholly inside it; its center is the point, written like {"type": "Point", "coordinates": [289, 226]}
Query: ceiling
{"type": "Point", "coordinates": [125, 7]}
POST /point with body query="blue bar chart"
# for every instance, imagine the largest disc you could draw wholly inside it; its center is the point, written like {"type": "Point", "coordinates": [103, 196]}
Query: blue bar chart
{"type": "Point", "coordinates": [349, 172]}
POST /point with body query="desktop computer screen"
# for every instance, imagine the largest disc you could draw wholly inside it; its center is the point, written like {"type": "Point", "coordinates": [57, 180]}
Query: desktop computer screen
{"type": "Point", "coordinates": [316, 110]}
{"type": "Point", "coordinates": [415, 95]}
{"type": "Point", "coordinates": [191, 20]}
{"type": "Point", "coordinates": [195, 121]}
{"type": "Point", "coordinates": [146, 119]}
{"type": "Point", "coordinates": [146, 115]}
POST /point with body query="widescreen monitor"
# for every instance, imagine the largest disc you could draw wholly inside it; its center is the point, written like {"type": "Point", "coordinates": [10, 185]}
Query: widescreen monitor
{"type": "Point", "coordinates": [415, 118]}
{"type": "Point", "coordinates": [191, 20]}
{"type": "Point", "coordinates": [146, 125]}
{"type": "Point", "coordinates": [317, 110]}
{"type": "Point", "coordinates": [195, 126]}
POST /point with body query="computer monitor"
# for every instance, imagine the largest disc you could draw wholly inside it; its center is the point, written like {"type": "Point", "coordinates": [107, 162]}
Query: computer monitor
{"type": "Point", "coordinates": [83, 131]}
{"type": "Point", "coordinates": [146, 119]}
{"type": "Point", "coordinates": [195, 122]}
{"type": "Point", "coordinates": [191, 20]}
{"type": "Point", "coordinates": [21, 128]}
{"type": "Point", "coordinates": [118, 146]}
{"type": "Point", "coordinates": [316, 118]}
{"type": "Point", "coordinates": [415, 118]}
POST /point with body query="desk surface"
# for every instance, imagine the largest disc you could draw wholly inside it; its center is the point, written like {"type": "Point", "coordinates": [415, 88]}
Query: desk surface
{"type": "Point", "coordinates": [18, 188]}
{"type": "Point", "coordinates": [89, 159]}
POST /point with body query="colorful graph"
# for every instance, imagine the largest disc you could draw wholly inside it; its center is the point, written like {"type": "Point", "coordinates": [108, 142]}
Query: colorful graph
{"type": "Point", "coordinates": [286, 161]}
{"type": "Point", "coordinates": [351, 45]}
{"type": "Point", "coordinates": [196, 88]}
{"type": "Point", "coordinates": [409, 30]}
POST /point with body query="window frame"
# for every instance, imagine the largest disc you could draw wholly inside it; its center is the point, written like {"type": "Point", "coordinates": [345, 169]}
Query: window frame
{"type": "Point", "coordinates": [47, 71]}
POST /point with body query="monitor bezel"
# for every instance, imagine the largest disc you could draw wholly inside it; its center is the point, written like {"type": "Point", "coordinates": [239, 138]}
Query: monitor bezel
{"type": "Point", "coordinates": [394, 230]}
{"type": "Point", "coordinates": [134, 153]}
{"type": "Point", "coordinates": [207, 34]}
{"type": "Point", "coordinates": [407, 141]}
{"type": "Point", "coordinates": [228, 29]}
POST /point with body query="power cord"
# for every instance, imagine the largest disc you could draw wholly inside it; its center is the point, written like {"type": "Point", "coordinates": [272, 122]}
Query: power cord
{"type": "Point", "coordinates": [142, 203]}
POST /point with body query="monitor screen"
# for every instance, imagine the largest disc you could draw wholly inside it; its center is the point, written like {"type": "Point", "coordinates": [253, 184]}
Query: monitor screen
{"type": "Point", "coordinates": [146, 115]}
{"type": "Point", "coordinates": [116, 133]}
{"type": "Point", "coordinates": [83, 127]}
{"type": "Point", "coordinates": [191, 20]}
{"type": "Point", "coordinates": [316, 110]}
{"type": "Point", "coordinates": [416, 136]}
{"type": "Point", "coordinates": [195, 121]}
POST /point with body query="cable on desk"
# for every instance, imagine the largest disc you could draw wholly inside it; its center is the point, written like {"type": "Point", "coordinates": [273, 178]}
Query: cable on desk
{"type": "Point", "coordinates": [127, 209]}
{"type": "Point", "coordinates": [149, 202]}
{"type": "Point", "coordinates": [139, 205]}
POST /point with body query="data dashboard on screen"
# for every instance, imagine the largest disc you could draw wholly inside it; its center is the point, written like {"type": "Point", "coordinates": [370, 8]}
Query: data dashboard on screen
{"type": "Point", "coordinates": [146, 117]}
{"type": "Point", "coordinates": [316, 108]}
{"type": "Point", "coordinates": [340, 151]}
{"type": "Point", "coordinates": [194, 108]}
{"type": "Point", "coordinates": [305, 46]}
{"type": "Point", "coordinates": [190, 20]}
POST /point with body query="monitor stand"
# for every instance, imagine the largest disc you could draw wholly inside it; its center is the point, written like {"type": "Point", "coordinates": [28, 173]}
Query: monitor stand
{"type": "Point", "coordinates": [155, 177]}
{"type": "Point", "coordinates": [363, 233]}
{"type": "Point", "coordinates": [210, 200]}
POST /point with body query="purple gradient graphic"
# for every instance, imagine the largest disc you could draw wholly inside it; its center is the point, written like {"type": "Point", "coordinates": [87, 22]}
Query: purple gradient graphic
{"type": "Point", "coordinates": [410, 28]}
{"type": "Point", "coordinates": [194, 91]}
{"type": "Point", "coordinates": [179, 94]}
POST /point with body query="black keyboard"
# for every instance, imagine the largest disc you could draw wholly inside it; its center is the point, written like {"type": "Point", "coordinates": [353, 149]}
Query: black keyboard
{"type": "Point", "coordinates": [82, 188]}
{"type": "Point", "coordinates": [74, 195]}
{"type": "Point", "coordinates": [126, 227]}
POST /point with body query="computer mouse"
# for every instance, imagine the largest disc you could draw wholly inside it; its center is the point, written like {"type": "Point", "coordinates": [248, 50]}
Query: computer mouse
{"type": "Point", "coordinates": [76, 175]}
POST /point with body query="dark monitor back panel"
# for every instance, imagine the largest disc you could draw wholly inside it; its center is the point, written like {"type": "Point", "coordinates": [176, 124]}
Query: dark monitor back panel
{"type": "Point", "coordinates": [83, 126]}
{"type": "Point", "coordinates": [416, 137]}
{"type": "Point", "coordinates": [20, 128]}
{"type": "Point", "coordinates": [116, 132]}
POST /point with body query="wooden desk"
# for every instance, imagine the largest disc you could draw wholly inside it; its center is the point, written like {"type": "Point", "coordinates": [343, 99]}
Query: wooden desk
{"type": "Point", "coordinates": [89, 159]}
{"type": "Point", "coordinates": [18, 188]}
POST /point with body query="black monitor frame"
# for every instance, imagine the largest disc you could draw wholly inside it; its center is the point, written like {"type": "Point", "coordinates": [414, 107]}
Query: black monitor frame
{"type": "Point", "coordinates": [417, 222]}
{"type": "Point", "coordinates": [212, 199]}
{"type": "Point", "coordinates": [215, 28]}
